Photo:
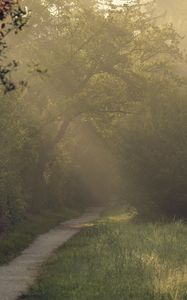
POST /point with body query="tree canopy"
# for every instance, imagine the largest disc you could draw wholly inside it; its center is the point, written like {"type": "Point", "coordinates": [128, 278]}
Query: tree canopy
{"type": "Point", "coordinates": [103, 73]}
{"type": "Point", "coordinates": [101, 61]}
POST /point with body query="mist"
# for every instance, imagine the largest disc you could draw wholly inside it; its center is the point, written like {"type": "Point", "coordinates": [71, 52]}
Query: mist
{"type": "Point", "coordinates": [120, 72]}
{"type": "Point", "coordinates": [93, 143]}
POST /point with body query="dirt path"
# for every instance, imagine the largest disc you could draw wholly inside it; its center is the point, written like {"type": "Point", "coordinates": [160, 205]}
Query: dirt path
{"type": "Point", "coordinates": [19, 274]}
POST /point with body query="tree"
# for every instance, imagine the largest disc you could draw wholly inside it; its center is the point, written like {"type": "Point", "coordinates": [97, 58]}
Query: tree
{"type": "Point", "coordinates": [91, 67]}
{"type": "Point", "coordinates": [12, 19]}
{"type": "Point", "coordinates": [174, 12]}
{"type": "Point", "coordinates": [100, 64]}
{"type": "Point", "coordinates": [87, 64]}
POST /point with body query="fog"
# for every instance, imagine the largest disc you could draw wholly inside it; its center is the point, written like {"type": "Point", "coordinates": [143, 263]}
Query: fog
{"type": "Point", "coordinates": [98, 107]}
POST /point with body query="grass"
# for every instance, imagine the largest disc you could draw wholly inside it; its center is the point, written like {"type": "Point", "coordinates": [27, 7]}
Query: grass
{"type": "Point", "coordinates": [20, 236]}
{"type": "Point", "coordinates": [117, 259]}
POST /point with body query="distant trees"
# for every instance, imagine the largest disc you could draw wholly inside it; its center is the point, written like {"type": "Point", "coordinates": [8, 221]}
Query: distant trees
{"type": "Point", "coordinates": [174, 12]}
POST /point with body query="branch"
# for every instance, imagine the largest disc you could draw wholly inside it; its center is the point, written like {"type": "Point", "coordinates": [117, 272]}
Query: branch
{"type": "Point", "coordinates": [111, 112]}
{"type": "Point", "coordinates": [61, 132]}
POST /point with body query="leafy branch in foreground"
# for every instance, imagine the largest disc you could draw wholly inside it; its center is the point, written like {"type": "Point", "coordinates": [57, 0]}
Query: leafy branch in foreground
{"type": "Point", "coordinates": [12, 19]}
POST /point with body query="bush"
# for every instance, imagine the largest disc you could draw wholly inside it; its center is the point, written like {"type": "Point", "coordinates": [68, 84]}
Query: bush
{"type": "Point", "coordinates": [153, 149]}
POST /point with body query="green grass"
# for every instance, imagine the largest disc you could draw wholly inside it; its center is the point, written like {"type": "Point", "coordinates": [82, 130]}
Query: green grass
{"type": "Point", "coordinates": [117, 259]}
{"type": "Point", "coordinates": [20, 236]}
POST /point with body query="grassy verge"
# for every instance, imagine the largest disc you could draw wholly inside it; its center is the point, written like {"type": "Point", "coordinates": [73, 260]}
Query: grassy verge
{"type": "Point", "coordinates": [20, 236]}
{"type": "Point", "coordinates": [117, 259]}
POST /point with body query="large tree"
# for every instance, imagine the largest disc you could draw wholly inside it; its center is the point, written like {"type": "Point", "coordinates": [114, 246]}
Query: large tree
{"type": "Point", "coordinates": [99, 60]}
{"type": "Point", "coordinates": [93, 63]}
{"type": "Point", "coordinates": [90, 65]}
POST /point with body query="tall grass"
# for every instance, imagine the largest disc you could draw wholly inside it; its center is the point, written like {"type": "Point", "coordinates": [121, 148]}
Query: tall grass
{"type": "Point", "coordinates": [116, 259]}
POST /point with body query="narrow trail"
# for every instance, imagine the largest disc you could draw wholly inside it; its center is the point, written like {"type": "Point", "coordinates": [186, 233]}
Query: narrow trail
{"type": "Point", "coordinates": [19, 275]}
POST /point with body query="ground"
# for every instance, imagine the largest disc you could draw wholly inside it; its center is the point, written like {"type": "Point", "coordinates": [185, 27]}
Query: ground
{"type": "Point", "coordinates": [117, 258]}
{"type": "Point", "coordinates": [19, 236]}
{"type": "Point", "coordinates": [20, 273]}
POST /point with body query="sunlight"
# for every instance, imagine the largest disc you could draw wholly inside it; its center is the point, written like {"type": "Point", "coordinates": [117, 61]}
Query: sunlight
{"type": "Point", "coordinates": [93, 134]}
{"type": "Point", "coordinates": [122, 1]}
{"type": "Point", "coordinates": [121, 218]}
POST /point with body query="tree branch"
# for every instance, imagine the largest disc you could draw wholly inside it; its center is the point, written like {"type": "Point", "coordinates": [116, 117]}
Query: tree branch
{"type": "Point", "coordinates": [65, 124]}
{"type": "Point", "coordinates": [121, 112]}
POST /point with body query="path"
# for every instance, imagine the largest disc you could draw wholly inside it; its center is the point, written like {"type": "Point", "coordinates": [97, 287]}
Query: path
{"type": "Point", "coordinates": [18, 276]}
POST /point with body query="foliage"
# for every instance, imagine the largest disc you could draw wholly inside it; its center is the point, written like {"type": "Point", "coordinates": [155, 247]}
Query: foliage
{"type": "Point", "coordinates": [12, 134]}
{"type": "Point", "coordinates": [87, 66]}
{"type": "Point", "coordinates": [152, 147]}
{"type": "Point", "coordinates": [12, 18]}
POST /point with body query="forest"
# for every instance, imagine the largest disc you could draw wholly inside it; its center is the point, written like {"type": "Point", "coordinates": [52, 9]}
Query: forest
{"type": "Point", "coordinates": [93, 113]}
